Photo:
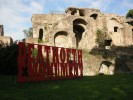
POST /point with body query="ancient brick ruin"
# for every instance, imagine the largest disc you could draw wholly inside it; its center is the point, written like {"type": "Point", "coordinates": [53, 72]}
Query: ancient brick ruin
{"type": "Point", "coordinates": [78, 26]}
{"type": "Point", "coordinates": [4, 40]}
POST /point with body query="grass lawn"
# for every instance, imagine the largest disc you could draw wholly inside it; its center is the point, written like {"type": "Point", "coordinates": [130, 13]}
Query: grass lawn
{"type": "Point", "coordinates": [116, 87]}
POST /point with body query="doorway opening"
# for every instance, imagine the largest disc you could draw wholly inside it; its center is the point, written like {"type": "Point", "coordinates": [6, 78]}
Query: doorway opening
{"type": "Point", "coordinates": [40, 34]}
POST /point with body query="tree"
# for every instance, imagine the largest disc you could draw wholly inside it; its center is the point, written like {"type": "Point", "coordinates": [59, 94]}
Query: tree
{"type": "Point", "coordinates": [28, 32]}
{"type": "Point", "coordinates": [130, 14]}
{"type": "Point", "coordinates": [9, 65]}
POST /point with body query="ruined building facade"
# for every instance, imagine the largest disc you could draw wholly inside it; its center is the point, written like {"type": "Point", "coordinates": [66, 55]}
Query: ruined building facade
{"type": "Point", "coordinates": [4, 40]}
{"type": "Point", "coordinates": [78, 27]}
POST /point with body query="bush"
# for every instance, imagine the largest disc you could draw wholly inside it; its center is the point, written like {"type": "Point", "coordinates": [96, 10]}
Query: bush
{"type": "Point", "coordinates": [8, 59]}
{"type": "Point", "coordinates": [101, 36]}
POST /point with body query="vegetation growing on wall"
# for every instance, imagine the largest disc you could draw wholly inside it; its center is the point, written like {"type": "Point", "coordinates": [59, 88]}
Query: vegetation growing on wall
{"type": "Point", "coordinates": [40, 41]}
{"type": "Point", "coordinates": [34, 52]}
{"type": "Point", "coordinates": [43, 41]}
{"type": "Point", "coordinates": [100, 37]}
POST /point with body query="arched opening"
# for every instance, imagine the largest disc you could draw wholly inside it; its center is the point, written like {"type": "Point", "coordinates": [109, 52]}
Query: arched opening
{"type": "Point", "coordinates": [60, 39]}
{"type": "Point", "coordinates": [115, 29]}
{"type": "Point", "coordinates": [106, 67]}
{"type": "Point", "coordinates": [78, 29]}
{"type": "Point", "coordinates": [40, 34]}
{"type": "Point", "coordinates": [79, 21]}
{"type": "Point", "coordinates": [94, 16]}
{"type": "Point", "coordinates": [114, 19]}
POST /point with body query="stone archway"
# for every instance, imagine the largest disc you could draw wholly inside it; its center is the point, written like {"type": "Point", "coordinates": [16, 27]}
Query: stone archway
{"type": "Point", "coordinates": [107, 68]}
{"type": "Point", "coordinates": [79, 28]}
{"type": "Point", "coordinates": [94, 16]}
{"type": "Point", "coordinates": [40, 37]}
{"type": "Point", "coordinates": [61, 39]}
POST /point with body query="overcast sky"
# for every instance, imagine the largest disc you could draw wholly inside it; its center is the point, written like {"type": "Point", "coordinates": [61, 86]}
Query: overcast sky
{"type": "Point", "coordinates": [16, 15]}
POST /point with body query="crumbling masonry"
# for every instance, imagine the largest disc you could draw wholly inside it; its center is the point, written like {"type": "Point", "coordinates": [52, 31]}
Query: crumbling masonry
{"type": "Point", "coordinates": [4, 40]}
{"type": "Point", "coordinates": [78, 26]}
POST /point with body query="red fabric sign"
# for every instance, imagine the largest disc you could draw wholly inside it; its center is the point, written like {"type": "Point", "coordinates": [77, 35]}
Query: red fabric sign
{"type": "Point", "coordinates": [41, 62]}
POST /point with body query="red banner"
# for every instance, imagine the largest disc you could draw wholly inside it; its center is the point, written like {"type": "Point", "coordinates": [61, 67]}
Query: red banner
{"type": "Point", "coordinates": [41, 62]}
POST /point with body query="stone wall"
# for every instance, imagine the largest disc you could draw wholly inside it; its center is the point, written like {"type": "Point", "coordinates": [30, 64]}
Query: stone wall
{"type": "Point", "coordinates": [1, 30]}
{"type": "Point", "coordinates": [78, 26]}
{"type": "Point", "coordinates": [4, 40]}
{"type": "Point", "coordinates": [31, 40]}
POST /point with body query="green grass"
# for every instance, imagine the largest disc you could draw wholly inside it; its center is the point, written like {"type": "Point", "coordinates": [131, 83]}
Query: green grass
{"type": "Point", "coordinates": [117, 87]}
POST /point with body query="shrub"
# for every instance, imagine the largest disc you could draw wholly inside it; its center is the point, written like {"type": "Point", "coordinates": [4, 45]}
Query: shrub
{"type": "Point", "coordinates": [8, 59]}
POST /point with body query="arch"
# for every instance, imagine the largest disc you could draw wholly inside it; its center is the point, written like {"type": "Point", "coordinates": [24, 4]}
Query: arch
{"type": "Point", "coordinates": [113, 19]}
{"type": "Point", "coordinates": [94, 16]}
{"type": "Point", "coordinates": [79, 21]}
{"type": "Point", "coordinates": [106, 67]}
{"type": "Point", "coordinates": [78, 28]}
{"type": "Point", "coordinates": [61, 39]}
{"type": "Point", "coordinates": [40, 34]}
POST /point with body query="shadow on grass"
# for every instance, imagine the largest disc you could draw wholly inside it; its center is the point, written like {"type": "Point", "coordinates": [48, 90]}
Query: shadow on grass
{"type": "Point", "coordinates": [118, 87]}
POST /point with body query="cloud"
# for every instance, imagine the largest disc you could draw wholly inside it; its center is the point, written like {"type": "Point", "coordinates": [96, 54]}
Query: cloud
{"type": "Point", "coordinates": [15, 15]}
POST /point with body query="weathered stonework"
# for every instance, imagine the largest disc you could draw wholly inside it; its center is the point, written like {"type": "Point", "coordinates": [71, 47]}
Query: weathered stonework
{"type": "Point", "coordinates": [78, 26]}
{"type": "Point", "coordinates": [4, 40]}
{"type": "Point", "coordinates": [77, 29]}
{"type": "Point", "coordinates": [1, 30]}
{"type": "Point", "coordinates": [31, 40]}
